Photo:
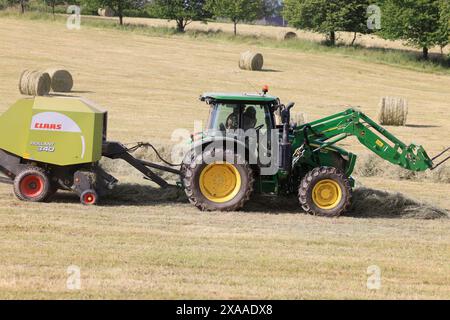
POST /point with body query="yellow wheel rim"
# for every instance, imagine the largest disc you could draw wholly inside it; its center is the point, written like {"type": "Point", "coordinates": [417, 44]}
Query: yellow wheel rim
{"type": "Point", "coordinates": [327, 194]}
{"type": "Point", "coordinates": [220, 182]}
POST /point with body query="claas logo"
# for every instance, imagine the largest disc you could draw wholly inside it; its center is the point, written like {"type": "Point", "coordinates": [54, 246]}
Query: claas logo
{"type": "Point", "coordinates": [48, 126]}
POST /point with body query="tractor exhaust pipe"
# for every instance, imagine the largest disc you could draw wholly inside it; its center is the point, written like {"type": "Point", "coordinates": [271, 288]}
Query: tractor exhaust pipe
{"type": "Point", "coordinates": [285, 162]}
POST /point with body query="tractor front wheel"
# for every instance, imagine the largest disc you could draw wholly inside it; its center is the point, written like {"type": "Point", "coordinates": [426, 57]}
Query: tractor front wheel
{"type": "Point", "coordinates": [325, 191]}
{"type": "Point", "coordinates": [32, 184]}
{"type": "Point", "coordinates": [218, 180]}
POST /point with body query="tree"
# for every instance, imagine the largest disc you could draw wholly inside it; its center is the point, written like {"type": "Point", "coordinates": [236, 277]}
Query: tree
{"type": "Point", "coordinates": [182, 11]}
{"type": "Point", "coordinates": [237, 10]}
{"type": "Point", "coordinates": [22, 4]}
{"type": "Point", "coordinates": [420, 23]}
{"type": "Point", "coordinates": [271, 8]}
{"type": "Point", "coordinates": [53, 4]}
{"type": "Point", "coordinates": [328, 16]}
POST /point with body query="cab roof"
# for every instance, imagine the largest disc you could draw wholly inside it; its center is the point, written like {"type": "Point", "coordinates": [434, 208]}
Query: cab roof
{"type": "Point", "coordinates": [238, 97]}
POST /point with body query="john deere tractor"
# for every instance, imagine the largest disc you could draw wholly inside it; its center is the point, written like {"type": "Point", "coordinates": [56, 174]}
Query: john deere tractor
{"type": "Point", "coordinates": [226, 165]}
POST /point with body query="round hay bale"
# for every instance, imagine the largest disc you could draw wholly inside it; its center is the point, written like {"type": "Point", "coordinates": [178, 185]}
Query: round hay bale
{"type": "Point", "coordinates": [290, 35]}
{"type": "Point", "coordinates": [251, 61]}
{"type": "Point", "coordinates": [105, 12]}
{"type": "Point", "coordinates": [22, 81]}
{"type": "Point", "coordinates": [109, 12]}
{"type": "Point", "coordinates": [62, 80]}
{"type": "Point", "coordinates": [298, 118]}
{"type": "Point", "coordinates": [34, 83]}
{"type": "Point", "coordinates": [393, 111]}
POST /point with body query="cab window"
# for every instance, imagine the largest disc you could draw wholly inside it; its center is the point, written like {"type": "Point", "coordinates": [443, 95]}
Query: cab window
{"type": "Point", "coordinates": [225, 117]}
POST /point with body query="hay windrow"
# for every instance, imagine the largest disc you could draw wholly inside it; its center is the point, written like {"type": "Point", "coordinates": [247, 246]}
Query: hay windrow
{"type": "Point", "coordinates": [61, 79]}
{"type": "Point", "coordinates": [251, 61]}
{"type": "Point", "coordinates": [393, 111]}
{"type": "Point", "coordinates": [144, 194]}
{"type": "Point", "coordinates": [371, 165]}
{"type": "Point", "coordinates": [366, 203]}
{"type": "Point", "coordinates": [122, 168]}
{"type": "Point", "coordinates": [381, 204]}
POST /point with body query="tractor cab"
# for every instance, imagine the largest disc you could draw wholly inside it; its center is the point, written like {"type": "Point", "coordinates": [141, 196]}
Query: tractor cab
{"type": "Point", "coordinates": [234, 113]}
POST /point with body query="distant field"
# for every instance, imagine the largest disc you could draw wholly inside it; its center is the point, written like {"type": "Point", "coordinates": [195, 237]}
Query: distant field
{"type": "Point", "coordinates": [160, 247]}
{"type": "Point", "coordinates": [274, 32]}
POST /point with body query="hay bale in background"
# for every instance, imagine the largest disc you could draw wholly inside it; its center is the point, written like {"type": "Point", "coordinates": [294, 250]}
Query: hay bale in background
{"type": "Point", "coordinates": [34, 83]}
{"type": "Point", "coordinates": [62, 80]}
{"type": "Point", "coordinates": [251, 61]}
{"type": "Point", "coordinates": [298, 118]}
{"type": "Point", "coordinates": [286, 36]}
{"type": "Point", "coordinates": [393, 111]}
{"type": "Point", "coordinates": [105, 12]}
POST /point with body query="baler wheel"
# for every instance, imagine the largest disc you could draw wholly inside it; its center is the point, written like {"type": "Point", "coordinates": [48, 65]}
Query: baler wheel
{"type": "Point", "coordinates": [89, 197]}
{"type": "Point", "coordinates": [326, 192]}
{"type": "Point", "coordinates": [32, 184]}
{"type": "Point", "coordinates": [215, 184]}
{"type": "Point", "coordinates": [53, 190]}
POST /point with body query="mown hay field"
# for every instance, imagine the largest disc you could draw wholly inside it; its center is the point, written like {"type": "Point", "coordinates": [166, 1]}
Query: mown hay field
{"type": "Point", "coordinates": [161, 247]}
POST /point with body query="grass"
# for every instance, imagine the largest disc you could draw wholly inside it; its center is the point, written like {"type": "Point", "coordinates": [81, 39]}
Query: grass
{"type": "Point", "coordinates": [394, 57]}
{"type": "Point", "coordinates": [155, 246]}
{"type": "Point", "coordinates": [169, 250]}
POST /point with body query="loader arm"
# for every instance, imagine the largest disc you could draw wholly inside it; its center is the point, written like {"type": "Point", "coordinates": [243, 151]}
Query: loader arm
{"type": "Point", "coordinates": [330, 130]}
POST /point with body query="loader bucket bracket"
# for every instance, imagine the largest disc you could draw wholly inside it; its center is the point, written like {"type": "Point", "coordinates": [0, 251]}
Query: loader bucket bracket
{"type": "Point", "coordinates": [440, 156]}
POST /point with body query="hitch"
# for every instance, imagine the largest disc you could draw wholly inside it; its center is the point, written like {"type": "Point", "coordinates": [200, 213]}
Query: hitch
{"type": "Point", "coordinates": [439, 156]}
{"type": "Point", "coordinates": [115, 150]}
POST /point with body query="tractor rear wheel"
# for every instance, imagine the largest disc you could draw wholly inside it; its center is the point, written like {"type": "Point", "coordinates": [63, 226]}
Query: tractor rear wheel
{"type": "Point", "coordinates": [225, 184]}
{"type": "Point", "coordinates": [32, 184]}
{"type": "Point", "coordinates": [325, 191]}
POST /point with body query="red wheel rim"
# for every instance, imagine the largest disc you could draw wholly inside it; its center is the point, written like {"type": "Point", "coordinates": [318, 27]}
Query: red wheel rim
{"type": "Point", "coordinates": [89, 198]}
{"type": "Point", "coordinates": [32, 186]}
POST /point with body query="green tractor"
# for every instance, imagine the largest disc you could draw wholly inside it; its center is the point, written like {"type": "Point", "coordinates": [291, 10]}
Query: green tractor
{"type": "Point", "coordinates": [227, 164]}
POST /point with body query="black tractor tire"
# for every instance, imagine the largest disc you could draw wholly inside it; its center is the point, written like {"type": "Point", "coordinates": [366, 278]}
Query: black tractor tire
{"type": "Point", "coordinates": [33, 184]}
{"type": "Point", "coordinates": [331, 179]}
{"type": "Point", "coordinates": [89, 197]}
{"type": "Point", "coordinates": [192, 171]}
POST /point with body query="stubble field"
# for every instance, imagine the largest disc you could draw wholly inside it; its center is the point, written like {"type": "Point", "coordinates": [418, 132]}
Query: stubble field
{"type": "Point", "coordinates": [155, 245]}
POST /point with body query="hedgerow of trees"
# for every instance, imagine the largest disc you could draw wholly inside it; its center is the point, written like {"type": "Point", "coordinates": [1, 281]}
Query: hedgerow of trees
{"type": "Point", "coordinates": [420, 23]}
{"type": "Point", "coordinates": [183, 12]}
{"type": "Point", "coordinates": [327, 16]}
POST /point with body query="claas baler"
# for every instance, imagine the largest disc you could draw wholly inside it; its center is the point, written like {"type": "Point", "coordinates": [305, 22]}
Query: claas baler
{"type": "Point", "coordinates": [52, 143]}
